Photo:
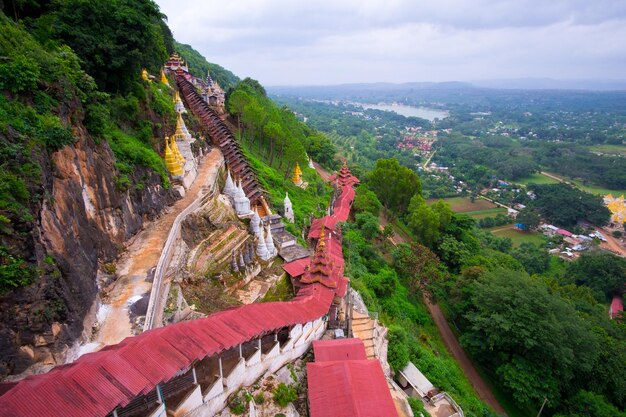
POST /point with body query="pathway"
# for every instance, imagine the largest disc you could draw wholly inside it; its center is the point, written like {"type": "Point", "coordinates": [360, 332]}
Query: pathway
{"type": "Point", "coordinates": [425, 166]}
{"type": "Point", "coordinates": [481, 388]}
{"type": "Point", "coordinates": [611, 243]}
{"type": "Point", "coordinates": [141, 255]}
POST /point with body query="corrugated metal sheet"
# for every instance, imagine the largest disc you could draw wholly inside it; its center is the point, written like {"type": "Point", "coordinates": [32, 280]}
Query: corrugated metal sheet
{"type": "Point", "coordinates": [339, 350]}
{"type": "Point", "coordinates": [354, 388]}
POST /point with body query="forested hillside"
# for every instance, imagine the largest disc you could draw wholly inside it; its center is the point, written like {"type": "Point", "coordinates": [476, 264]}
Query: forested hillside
{"type": "Point", "coordinates": [198, 66]}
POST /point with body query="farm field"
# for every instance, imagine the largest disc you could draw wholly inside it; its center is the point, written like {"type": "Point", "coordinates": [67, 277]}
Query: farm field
{"type": "Point", "coordinates": [477, 210]}
{"type": "Point", "coordinates": [465, 205]}
{"type": "Point", "coordinates": [517, 236]}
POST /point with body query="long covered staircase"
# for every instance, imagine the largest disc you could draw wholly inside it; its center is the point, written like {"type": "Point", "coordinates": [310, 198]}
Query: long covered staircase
{"type": "Point", "coordinates": [221, 136]}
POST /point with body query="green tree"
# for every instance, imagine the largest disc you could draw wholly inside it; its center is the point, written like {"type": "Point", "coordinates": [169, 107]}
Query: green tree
{"type": "Point", "coordinates": [129, 36]}
{"type": "Point", "coordinates": [394, 184]}
{"type": "Point", "coordinates": [587, 404]}
{"type": "Point", "coordinates": [366, 201]}
{"type": "Point", "coordinates": [237, 101]}
{"type": "Point", "coordinates": [529, 218]}
{"type": "Point", "coordinates": [369, 225]}
{"type": "Point", "coordinates": [603, 272]}
{"type": "Point", "coordinates": [534, 258]}
{"type": "Point", "coordinates": [424, 221]}
{"type": "Point", "coordinates": [536, 342]}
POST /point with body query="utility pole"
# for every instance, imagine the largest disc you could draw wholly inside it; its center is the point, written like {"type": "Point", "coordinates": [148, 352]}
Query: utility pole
{"type": "Point", "coordinates": [545, 400]}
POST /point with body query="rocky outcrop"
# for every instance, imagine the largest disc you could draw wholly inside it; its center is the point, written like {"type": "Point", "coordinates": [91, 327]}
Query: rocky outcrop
{"type": "Point", "coordinates": [83, 222]}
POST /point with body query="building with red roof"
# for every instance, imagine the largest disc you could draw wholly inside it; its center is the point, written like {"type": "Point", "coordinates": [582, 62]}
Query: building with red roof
{"type": "Point", "coordinates": [342, 383]}
{"type": "Point", "coordinates": [617, 306]}
{"type": "Point", "coordinates": [344, 177]}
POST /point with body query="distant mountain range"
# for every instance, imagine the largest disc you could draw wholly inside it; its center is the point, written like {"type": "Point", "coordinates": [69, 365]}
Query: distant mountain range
{"type": "Point", "coordinates": [552, 84]}
{"type": "Point", "coordinates": [507, 84]}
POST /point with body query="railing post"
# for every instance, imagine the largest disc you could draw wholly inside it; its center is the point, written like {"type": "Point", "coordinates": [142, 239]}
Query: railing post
{"type": "Point", "coordinates": [219, 361]}
{"type": "Point", "coordinates": [259, 343]}
{"type": "Point", "coordinates": [240, 352]}
{"type": "Point", "coordinates": [160, 399]}
{"type": "Point", "coordinates": [275, 337]}
{"type": "Point", "coordinates": [195, 377]}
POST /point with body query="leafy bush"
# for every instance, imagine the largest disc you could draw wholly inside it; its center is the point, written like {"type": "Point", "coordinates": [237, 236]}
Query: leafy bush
{"type": "Point", "coordinates": [284, 394]}
{"type": "Point", "coordinates": [19, 74]}
{"type": "Point", "coordinates": [130, 151]}
{"type": "Point", "coordinates": [55, 135]}
{"type": "Point", "coordinates": [14, 272]}
{"type": "Point", "coordinates": [398, 354]}
{"type": "Point", "coordinates": [417, 406]}
{"type": "Point", "coordinates": [259, 398]}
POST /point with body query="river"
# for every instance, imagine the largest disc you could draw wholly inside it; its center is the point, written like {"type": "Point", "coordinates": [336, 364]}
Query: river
{"type": "Point", "coordinates": [427, 113]}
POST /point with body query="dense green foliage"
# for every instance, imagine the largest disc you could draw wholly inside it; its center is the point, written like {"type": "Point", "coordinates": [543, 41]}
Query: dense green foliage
{"type": "Point", "coordinates": [129, 35]}
{"type": "Point", "coordinates": [14, 272]}
{"type": "Point", "coordinates": [564, 205]}
{"type": "Point", "coordinates": [394, 184]}
{"type": "Point", "coordinates": [273, 133]}
{"type": "Point", "coordinates": [199, 66]}
{"type": "Point", "coordinates": [540, 342]}
{"type": "Point", "coordinates": [604, 273]}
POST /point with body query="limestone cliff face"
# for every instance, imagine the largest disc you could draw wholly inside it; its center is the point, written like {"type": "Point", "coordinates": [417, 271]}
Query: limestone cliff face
{"type": "Point", "coordinates": [83, 221]}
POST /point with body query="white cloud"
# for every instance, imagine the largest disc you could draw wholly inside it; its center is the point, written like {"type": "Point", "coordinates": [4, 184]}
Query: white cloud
{"type": "Point", "coordinates": [328, 42]}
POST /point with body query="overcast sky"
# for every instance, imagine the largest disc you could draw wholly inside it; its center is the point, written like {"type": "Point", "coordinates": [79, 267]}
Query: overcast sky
{"type": "Point", "coordinates": [294, 42]}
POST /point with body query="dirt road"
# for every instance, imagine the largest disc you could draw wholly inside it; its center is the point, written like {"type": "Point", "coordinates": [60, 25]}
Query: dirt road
{"type": "Point", "coordinates": [141, 255]}
{"type": "Point", "coordinates": [611, 243]}
{"type": "Point", "coordinates": [483, 391]}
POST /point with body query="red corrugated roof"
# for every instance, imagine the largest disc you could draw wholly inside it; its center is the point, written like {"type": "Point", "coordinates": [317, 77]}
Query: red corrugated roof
{"type": "Point", "coordinates": [341, 213]}
{"type": "Point", "coordinates": [339, 350]}
{"type": "Point", "coordinates": [353, 388]}
{"type": "Point", "coordinates": [98, 382]}
{"type": "Point", "coordinates": [617, 306]}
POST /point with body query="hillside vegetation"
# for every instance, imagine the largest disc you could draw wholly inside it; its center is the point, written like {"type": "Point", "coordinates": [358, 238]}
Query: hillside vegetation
{"type": "Point", "coordinates": [198, 66]}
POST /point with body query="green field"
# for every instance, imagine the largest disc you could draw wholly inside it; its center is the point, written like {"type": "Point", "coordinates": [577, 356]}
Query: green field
{"type": "Point", "coordinates": [480, 214]}
{"type": "Point", "coordinates": [517, 236]}
{"type": "Point", "coordinates": [609, 149]}
{"type": "Point", "coordinates": [465, 205]}
{"type": "Point", "coordinates": [537, 178]}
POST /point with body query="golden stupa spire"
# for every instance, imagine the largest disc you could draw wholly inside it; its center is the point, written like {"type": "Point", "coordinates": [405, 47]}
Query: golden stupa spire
{"type": "Point", "coordinates": [297, 175]}
{"type": "Point", "coordinates": [172, 163]}
{"type": "Point", "coordinates": [181, 129]}
{"type": "Point", "coordinates": [144, 75]}
{"type": "Point", "coordinates": [176, 151]}
{"type": "Point", "coordinates": [176, 97]}
{"type": "Point", "coordinates": [164, 78]}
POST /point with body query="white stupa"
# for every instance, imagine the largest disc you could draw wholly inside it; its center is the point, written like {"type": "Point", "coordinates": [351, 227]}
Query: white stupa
{"type": "Point", "coordinates": [242, 203]}
{"type": "Point", "coordinates": [288, 209]}
{"type": "Point", "coordinates": [261, 248]}
{"type": "Point", "coordinates": [229, 186]}
{"type": "Point", "coordinates": [255, 221]}
{"type": "Point", "coordinates": [269, 242]}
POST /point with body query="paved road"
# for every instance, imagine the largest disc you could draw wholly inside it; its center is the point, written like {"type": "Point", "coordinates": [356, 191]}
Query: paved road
{"type": "Point", "coordinates": [482, 389]}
